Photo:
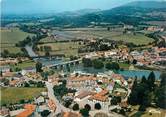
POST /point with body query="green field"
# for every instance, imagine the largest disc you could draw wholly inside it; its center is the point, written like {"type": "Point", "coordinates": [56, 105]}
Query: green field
{"type": "Point", "coordinates": [9, 37]}
{"type": "Point", "coordinates": [25, 64]}
{"type": "Point", "coordinates": [116, 35]}
{"type": "Point", "coordinates": [14, 95]}
{"type": "Point", "coordinates": [67, 48]}
{"type": "Point", "coordinates": [137, 39]}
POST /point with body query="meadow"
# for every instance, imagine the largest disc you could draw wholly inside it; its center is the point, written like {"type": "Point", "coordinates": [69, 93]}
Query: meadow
{"type": "Point", "coordinates": [9, 37]}
{"type": "Point", "coordinates": [14, 95]}
{"type": "Point", "coordinates": [67, 48]}
{"type": "Point", "coordinates": [114, 34]}
{"type": "Point", "coordinates": [23, 65]}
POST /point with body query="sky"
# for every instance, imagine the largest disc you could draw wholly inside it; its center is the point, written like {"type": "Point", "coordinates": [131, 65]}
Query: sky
{"type": "Point", "coordinates": [56, 6]}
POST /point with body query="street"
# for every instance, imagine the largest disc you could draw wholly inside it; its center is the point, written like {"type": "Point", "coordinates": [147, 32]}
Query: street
{"type": "Point", "coordinates": [59, 107]}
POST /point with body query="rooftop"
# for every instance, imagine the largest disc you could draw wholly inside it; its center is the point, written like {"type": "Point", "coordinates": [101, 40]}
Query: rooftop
{"type": "Point", "coordinates": [29, 109]}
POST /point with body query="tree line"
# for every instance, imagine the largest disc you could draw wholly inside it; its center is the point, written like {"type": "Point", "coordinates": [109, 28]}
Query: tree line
{"type": "Point", "coordinates": [147, 92]}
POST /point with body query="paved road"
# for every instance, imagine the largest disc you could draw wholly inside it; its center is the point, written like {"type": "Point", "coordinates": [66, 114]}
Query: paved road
{"type": "Point", "coordinates": [51, 95]}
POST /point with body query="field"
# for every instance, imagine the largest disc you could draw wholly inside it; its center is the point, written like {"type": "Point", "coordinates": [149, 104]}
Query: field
{"type": "Point", "coordinates": [24, 64]}
{"type": "Point", "coordinates": [9, 37]}
{"type": "Point", "coordinates": [67, 48]}
{"type": "Point", "coordinates": [14, 95]}
{"type": "Point", "coordinates": [116, 35]}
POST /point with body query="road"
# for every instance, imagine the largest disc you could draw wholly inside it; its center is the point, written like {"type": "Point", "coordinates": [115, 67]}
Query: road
{"type": "Point", "coordinates": [51, 95]}
{"type": "Point", "coordinates": [30, 51]}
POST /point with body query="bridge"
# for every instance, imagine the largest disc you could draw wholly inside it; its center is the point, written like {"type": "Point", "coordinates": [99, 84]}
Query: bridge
{"type": "Point", "coordinates": [64, 63]}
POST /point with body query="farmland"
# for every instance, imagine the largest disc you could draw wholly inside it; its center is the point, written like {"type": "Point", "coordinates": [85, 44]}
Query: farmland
{"type": "Point", "coordinates": [116, 35]}
{"type": "Point", "coordinates": [9, 37]}
{"type": "Point", "coordinates": [67, 48]}
{"type": "Point", "coordinates": [14, 95]}
{"type": "Point", "coordinates": [23, 65]}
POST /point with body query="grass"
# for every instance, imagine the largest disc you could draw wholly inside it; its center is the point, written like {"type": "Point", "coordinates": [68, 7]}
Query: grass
{"type": "Point", "coordinates": [124, 65]}
{"type": "Point", "coordinates": [137, 39]}
{"type": "Point", "coordinates": [137, 113]}
{"type": "Point", "coordinates": [67, 48]}
{"type": "Point", "coordinates": [9, 37]}
{"type": "Point", "coordinates": [24, 64]}
{"type": "Point", "coordinates": [14, 95]}
{"type": "Point", "coordinates": [116, 35]}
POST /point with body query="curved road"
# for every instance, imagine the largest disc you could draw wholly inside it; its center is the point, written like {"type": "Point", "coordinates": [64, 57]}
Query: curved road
{"type": "Point", "coordinates": [51, 95]}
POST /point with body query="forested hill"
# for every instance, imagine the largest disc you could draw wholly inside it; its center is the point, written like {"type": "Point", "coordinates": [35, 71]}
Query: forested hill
{"type": "Point", "coordinates": [133, 13]}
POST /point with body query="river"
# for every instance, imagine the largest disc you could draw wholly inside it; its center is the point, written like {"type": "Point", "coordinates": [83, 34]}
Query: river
{"type": "Point", "coordinates": [126, 73]}
{"type": "Point", "coordinates": [30, 51]}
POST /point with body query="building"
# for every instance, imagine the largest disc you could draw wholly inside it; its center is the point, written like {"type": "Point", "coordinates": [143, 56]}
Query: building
{"type": "Point", "coordinates": [51, 105]}
{"type": "Point", "coordinates": [4, 112]}
{"type": "Point", "coordinates": [102, 98]}
{"type": "Point", "coordinates": [28, 112]}
{"type": "Point", "coordinates": [81, 82]}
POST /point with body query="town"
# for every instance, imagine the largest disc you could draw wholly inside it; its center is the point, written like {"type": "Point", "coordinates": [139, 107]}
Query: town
{"type": "Point", "coordinates": [100, 69]}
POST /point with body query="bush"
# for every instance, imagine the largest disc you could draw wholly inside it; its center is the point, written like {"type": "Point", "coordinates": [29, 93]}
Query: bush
{"type": "Point", "coordinates": [88, 107]}
{"type": "Point", "coordinates": [98, 64]}
{"type": "Point", "coordinates": [114, 66]}
{"type": "Point", "coordinates": [76, 107]}
{"type": "Point", "coordinates": [45, 113]}
{"type": "Point", "coordinates": [97, 106]}
{"type": "Point", "coordinates": [84, 112]}
{"type": "Point", "coordinates": [142, 108]}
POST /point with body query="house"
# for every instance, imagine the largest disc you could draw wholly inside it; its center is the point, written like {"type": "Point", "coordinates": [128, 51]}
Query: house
{"type": "Point", "coordinates": [8, 74]}
{"type": "Point", "coordinates": [4, 112]}
{"type": "Point", "coordinates": [82, 95]}
{"type": "Point", "coordinates": [39, 100]}
{"type": "Point", "coordinates": [51, 105]}
{"type": "Point", "coordinates": [120, 92]}
{"type": "Point", "coordinates": [5, 69]}
{"type": "Point", "coordinates": [13, 83]}
{"type": "Point", "coordinates": [101, 97]}
{"type": "Point", "coordinates": [108, 54]}
{"type": "Point", "coordinates": [5, 61]}
{"type": "Point", "coordinates": [71, 114]}
{"type": "Point", "coordinates": [28, 112]}
{"type": "Point", "coordinates": [81, 82]}
{"type": "Point", "coordinates": [28, 70]}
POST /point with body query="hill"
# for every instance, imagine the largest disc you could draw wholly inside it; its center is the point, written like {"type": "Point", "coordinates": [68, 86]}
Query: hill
{"type": "Point", "coordinates": [148, 4]}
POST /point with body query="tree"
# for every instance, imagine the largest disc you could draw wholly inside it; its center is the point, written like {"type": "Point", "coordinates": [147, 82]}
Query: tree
{"type": "Point", "coordinates": [87, 62]}
{"type": "Point", "coordinates": [26, 84]}
{"type": "Point", "coordinates": [98, 64]}
{"type": "Point", "coordinates": [45, 113]}
{"type": "Point", "coordinates": [39, 67]}
{"type": "Point", "coordinates": [142, 108]}
{"type": "Point", "coordinates": [113, 65]}
{"type": "Point", "coordinates": [151, 80]}
{"type": "Point", "coordinates": [75, 107]}
{"type": "Point", "coordinates": [143, 79]}
{"type": "Point", "coordinates": [1, 74]}
{"type": "Point", "coordinates": [115, 100]}
{"type": "Point", "coordinates": [88, 107]}
{"type": "Point", "coordinates": [108, 28]}
{"type": "Point", "coordinates": [47, 53]}
{"type": "Point", "coordinates": [84, 112]}
{"type": "Point", "coordinates": [134, 61]}
{"type": "Point", "coordinates": [67, 103]}
{"type": "Point", "coordinates": [97, 106]}
{"type": "Point", "coordinates": [5, 81]}
{"type": "Point", "coordinates": [60, 90]}
{"type": "Point", "coordinates": [163, 79]}
{"type": "Point", "coordinates": [161, 92]}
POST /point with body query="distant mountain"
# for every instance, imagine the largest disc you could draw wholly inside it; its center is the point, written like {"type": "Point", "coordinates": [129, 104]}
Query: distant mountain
{"type": "Point", "coordinates": [79, 12]}
{"type": "Point", "coordinates": [148, 4]}
{"type": "Point", "coordinates": [133, 13]}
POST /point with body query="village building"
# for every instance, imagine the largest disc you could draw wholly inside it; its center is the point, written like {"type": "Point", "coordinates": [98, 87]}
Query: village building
{"type": "Point", "coordinates": [28, 112]}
